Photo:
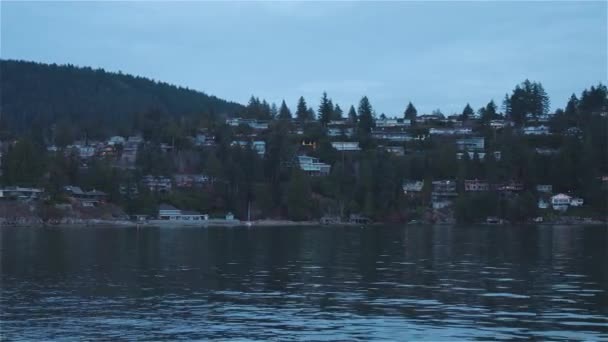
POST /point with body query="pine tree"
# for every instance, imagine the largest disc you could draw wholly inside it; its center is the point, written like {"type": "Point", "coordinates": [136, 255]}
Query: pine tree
{"type": "Point", "coordinates": [274, 112]}
{"type": "Point", "coordinates": [467, 112]}
{"type": "Point", "coordinates": [410, 112]}
{"type": "Point", "coordinates": [572, 106]}
{"type": "Point", "coordinates": [366, 117]}
{"type": "Point", "coordinates": [326, 110]}
{"type": "Point", "coordinates": [302, 110]}
{"type": "Point", "coordinates": [310, 114]}
{"type": "Point", "coordinates": [284, 112]}
{"type": "Point", "coordinates": [337, 114]}
{"type": "Point", "coordinates": [352, 115]}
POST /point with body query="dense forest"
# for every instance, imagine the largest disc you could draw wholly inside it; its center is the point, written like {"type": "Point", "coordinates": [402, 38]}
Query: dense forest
{"type": "Point", "coordinates": [571, 156]}
{"type": "Point", "coordinates": [36, 95]}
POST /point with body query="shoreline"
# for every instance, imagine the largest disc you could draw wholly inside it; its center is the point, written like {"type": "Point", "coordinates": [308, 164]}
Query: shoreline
{"type": "Point", "coordinates": [272, 223]}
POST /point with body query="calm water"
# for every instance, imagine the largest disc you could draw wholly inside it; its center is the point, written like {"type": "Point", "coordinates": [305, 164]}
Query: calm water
{"type": "Point", "coordinates": [315, 283]}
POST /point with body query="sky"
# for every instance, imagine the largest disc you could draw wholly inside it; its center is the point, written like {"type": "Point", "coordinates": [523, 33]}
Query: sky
{"type": "Point", "coordinates": [438, 55]}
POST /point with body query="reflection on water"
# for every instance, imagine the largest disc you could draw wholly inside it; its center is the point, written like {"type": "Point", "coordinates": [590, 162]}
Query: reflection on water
{"type": "Point", "coordinates": [314, 283]}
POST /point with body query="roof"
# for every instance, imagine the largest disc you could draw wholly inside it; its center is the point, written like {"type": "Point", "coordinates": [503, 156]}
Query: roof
{"type": "Point", "coordinates": [96, 193]}
{"type": "Point", "coordinates": [166, 207]}
{"type": "Point", "coordinates": [75, 190]}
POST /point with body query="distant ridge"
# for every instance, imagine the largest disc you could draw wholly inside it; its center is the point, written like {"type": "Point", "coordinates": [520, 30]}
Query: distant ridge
{"type": "Point", "coordinates": [41, 94]}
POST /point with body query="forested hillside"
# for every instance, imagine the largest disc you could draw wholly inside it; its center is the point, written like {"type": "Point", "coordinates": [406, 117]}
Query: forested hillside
{"type": "Point", "coordinates": [36, 95]}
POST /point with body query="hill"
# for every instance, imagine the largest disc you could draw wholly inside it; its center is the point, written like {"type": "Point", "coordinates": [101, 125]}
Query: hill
{"type": "Point", "coordinates": [40, 95]}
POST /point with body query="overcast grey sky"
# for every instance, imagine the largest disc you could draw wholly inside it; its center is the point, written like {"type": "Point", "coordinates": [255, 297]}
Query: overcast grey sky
{"type": "Point", "coordinates": [435, 54]}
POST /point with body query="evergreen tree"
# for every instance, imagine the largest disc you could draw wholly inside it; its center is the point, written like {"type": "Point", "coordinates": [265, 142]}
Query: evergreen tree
{"type": "Point", "coordinates": [366, 117]}
{"type": "Point", "coordinates": [572, 107]}
{"type": "Point", "coordinates": [488, 112]}
{"type": "Point", "coordinates": [352, 115]}
{"type": "Point", "coordinates": [337, 114]}
{"type": "Point", "coordinates": [302, 110]}
{"type": "Point", "coordinates": [284, 112]}
{"type": "Point", "coordinates": [467, 112]}
{"type": "Point", "coordinates": [274, 112]}
{"type": "Point", "coordinates": [326, 110]}
{"type": "Point", "coordinates": [310, 114]}
{"type": "Point", "coordinates": [410, 112]}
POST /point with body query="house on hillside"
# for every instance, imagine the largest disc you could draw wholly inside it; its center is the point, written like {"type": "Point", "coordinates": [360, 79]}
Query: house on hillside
{"type": "Point", "coordinates": [21, 193]}
{"type": "Point", "coordinates": [394, 136]}
{"type": "Point", "coordinates": [312, 166]}
{"type": "Point", "coordinates": [86, 198]}
{"type": "Point", "coordinates": [451, 131]}
{"type": "Point", "coordinates": [391, 123]}
{"type": "Point", "coordinates": [157, 183]}
{"type": "Point", "coordinates": [346, 146]}
{"type": "Point", "coordinates": [474, 185]}
{"type": "Point", "coordinates": [546, 188]}
{"type": "Point", "coordinates": [396, 150]}
{"type": "Point", "coordinates": [189, 180]}
{"type": "Point", "coordinates": [412, 187]}
{"type": "Point", "coordinates": [536, 130]}
{"type": "Point", "coordinates": [259, 147]}
{"type": "Point", "coordinates": [470, 144]}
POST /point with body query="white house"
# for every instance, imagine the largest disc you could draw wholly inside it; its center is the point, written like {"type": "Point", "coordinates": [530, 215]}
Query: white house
{"type": "Point", "coordinates": [117, 140]}
{"type": "Point", "coordinates": [312, 166]}
{"type": "Point", "coordinates": [391, 136]}
{"type": "Point", "coordinates": [170, 213]}
{"type": "Point", "coordinates": [476, 185]}
{"type": "Point", "coordinates": [471, 144]}
{"type": "Point", "coordinates": [576, 202]}
{"type": "Point", "coordinates": [412, 187]}
{"type": "Point", "coordinates": [546, 188]}
{"type": "Point", "coordinates": [536, 130]}
{"type": "Point", "coordinates": [450, 131]}
{"type": "Point", "coordinates": [381, 123]}
{"type": "Point", "coordinates": [259, 147]}
{"type": "Point", "coordinates": [346, 145]}
{"type": "Point", "coordinates": [560, 202]}
{"type": "Point", "coordinates": [20, 193]}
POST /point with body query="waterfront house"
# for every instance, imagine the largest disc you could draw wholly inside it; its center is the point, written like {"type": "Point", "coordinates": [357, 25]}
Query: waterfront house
{"type": "Point", "coordinates": [560, 202]}
{"type": "Point", "coordinates": [444, 191]}
{"type": "Point", "coordinates": [168, 212]}
{"type": "Point", "coordinates": [312, 166]}
{"type": "Point", "coordinates": [346, 146]}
